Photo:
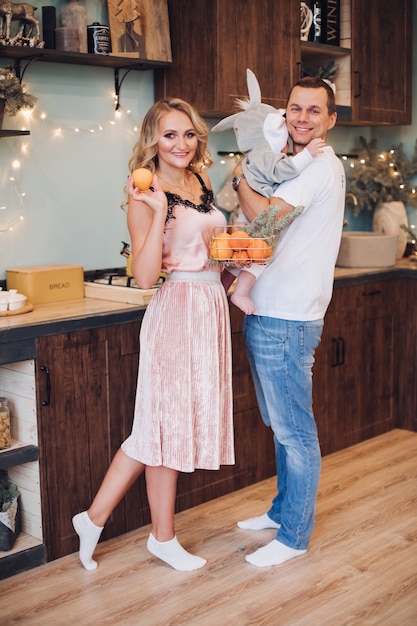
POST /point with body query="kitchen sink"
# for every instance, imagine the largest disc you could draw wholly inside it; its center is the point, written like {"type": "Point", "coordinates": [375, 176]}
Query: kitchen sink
{"type": "Point", "coordinates": [367, 249]}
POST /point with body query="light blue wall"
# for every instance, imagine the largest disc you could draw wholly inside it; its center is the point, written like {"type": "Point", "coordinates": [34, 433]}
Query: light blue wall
{"type": "Point", "coordinates": [73, 183]}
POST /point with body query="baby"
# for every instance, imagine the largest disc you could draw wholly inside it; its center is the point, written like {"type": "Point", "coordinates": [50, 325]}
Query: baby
{"type": "Point", "coordinates": [262, 135]}
{"type": "Point", "coordinates": [247, 275]}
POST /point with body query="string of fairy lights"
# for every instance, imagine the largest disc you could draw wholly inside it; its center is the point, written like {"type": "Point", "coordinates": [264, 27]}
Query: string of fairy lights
{"type": "Point", "coordinates": [12, 197]}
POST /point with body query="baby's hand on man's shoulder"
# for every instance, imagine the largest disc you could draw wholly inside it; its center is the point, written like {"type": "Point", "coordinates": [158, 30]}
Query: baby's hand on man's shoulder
{"type": "Point", "coordinates": [315, 147]}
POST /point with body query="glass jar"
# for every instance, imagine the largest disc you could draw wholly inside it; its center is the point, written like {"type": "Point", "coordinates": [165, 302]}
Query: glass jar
{"type": "Point", "coordinates": [5, 437]}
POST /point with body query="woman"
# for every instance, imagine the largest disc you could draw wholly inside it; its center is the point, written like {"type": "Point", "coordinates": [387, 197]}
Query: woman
{"type": "Point", "coordinates": [183, 410]}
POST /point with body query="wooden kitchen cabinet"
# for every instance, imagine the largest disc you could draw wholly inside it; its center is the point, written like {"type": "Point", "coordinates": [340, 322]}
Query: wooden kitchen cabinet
{"type": "Point", "coordinates": [406, 355]}
{"type": "Point", "coordinates": [85, 388]}
{"type": "Point", "coordinates": [354, 376]}
{"type": "Point", "coordinates": [381, 61]}
{"type": "Point", "coordinates": [213, 42]}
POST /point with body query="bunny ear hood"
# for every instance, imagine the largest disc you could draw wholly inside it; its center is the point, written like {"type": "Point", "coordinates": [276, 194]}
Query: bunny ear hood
{"type": "Point", "coordinates": [246, 104]}
{"type": "Point", "coordinates": [248, 123]}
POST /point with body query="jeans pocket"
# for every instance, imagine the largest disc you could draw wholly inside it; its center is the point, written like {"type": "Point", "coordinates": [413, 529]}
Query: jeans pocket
{"type": "Point", "coordinates": [309, 335]}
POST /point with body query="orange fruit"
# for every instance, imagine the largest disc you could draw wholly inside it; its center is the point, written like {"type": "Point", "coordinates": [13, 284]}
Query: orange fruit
{"type": "Point", "coordinates": [239, 239]}
{"type": "Point", "coordinates": [220, 247]}
{"type": "Point", "coordinates": [142, 178]}
{"type": "Point", "coordinates": [259, 250]}
{"type": "Point", "coordinates": [240, 256]}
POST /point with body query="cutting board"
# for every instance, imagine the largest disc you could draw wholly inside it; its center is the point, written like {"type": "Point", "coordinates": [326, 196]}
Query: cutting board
{"type": "Point", "coordinates": [114, 293]}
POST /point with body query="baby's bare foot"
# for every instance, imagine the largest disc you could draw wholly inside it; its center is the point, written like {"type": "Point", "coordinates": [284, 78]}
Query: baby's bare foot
{"type": "Point", "coordinates": [244, 303]}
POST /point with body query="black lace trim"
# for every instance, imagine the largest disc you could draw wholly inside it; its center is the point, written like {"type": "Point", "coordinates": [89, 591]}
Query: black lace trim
{"type": "Point", "coordinates": [206, 201]}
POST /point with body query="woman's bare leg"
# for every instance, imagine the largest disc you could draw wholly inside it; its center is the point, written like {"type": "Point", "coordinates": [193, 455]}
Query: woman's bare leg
{"type": "Point", "coordinates": [161, 487]}
{"type": "Point", "coordinates": [120, 476]}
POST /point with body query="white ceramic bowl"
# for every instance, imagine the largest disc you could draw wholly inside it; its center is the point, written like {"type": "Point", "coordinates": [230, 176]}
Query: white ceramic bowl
{"type": "Point", "coordinates": [17, 301]}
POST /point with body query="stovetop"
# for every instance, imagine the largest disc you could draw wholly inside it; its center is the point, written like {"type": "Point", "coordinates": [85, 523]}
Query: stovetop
{"type": "Point", "coordinates": [116, 277]}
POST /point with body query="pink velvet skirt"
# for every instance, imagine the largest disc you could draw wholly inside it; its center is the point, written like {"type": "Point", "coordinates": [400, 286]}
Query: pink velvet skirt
{"type": "Point", "coordinates": [183, 412]}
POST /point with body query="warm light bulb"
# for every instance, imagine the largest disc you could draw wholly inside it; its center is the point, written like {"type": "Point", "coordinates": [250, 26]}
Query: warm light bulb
{"type": "Point", "coordinates": [16, 164]}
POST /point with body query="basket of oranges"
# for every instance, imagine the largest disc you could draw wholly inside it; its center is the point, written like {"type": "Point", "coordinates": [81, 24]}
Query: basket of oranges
{"type": "Point", "coordinates": [234, 247]}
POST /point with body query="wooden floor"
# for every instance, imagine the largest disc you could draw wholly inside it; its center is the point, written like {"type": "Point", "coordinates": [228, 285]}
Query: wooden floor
{"type": "Point", "coordinates": [361, 568]}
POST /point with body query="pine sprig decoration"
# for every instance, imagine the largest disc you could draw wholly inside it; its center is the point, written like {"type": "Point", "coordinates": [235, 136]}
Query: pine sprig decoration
{"type": "Point", "coordinates": [14, 93]}
{"type": "Point", "coordinates": [381, 176]}
{"type": "Point", "coordinates": [268, 223]}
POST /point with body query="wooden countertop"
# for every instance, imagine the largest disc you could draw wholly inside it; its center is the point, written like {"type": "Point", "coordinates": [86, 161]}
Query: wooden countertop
{"type": "Point", "coordinates": [70, 309]}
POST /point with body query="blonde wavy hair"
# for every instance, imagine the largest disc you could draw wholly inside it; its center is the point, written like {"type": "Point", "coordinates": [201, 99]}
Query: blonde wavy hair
{"type": "Point", "coordinates": [145, 149]}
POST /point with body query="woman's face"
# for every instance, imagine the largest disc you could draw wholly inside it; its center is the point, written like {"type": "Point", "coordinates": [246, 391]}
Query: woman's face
{"type": "Point", "coordinates": [178, 141]}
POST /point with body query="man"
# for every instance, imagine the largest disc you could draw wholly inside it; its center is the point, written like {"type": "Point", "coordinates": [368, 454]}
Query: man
{"type": "Point", "coordinates": [291, 297]}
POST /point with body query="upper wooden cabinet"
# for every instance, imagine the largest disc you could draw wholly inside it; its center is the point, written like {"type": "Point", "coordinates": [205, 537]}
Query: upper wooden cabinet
{"type": "Point", "coordinates": [213, 42]}
{"type": "Point", "coordinates": [381, 61]}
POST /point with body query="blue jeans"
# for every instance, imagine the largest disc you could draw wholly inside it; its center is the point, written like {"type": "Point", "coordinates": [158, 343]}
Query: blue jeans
{"type": "Point", "coordinates": [281, 357]}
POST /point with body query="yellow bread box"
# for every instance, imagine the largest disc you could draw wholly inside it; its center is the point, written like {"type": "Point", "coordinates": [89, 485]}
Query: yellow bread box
{"type": "Point", "coordinates": [47, 283]}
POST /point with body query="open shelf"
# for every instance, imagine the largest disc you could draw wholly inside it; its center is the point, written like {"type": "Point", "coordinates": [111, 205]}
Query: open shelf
{"type": "Point", "coordinates": [13, 133]}
{"type": "Point", "coordinates": [17, 454]}
{"type": "Point", "coordinates": [312, 48]}
{"type": "Point", "coordinates": [24, 53]}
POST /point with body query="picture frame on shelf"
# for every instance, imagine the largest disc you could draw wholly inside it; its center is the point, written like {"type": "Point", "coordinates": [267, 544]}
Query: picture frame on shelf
{"type": "Point", "coordinates": [140, 29]}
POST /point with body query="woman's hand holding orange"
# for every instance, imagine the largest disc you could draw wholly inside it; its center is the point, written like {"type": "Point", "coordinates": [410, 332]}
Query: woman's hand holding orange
{"type": "Point", "coordinates": [156, 200]}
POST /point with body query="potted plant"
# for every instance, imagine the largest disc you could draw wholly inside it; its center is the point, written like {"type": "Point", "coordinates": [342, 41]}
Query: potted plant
{"type": "Point", "coordinates": [326, 72]}
{"type": "Point", "coordinates": [382, 181]}
{"type": "Point", "coordinates": [9, 512]}
{"type": "Point", "coordinates": [13, 96]}
{"type": "Point", "coordinates": [380, 176]}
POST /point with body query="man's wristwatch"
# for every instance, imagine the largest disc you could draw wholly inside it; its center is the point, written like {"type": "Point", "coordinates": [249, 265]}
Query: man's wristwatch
{"type": "Point", "coordinates": [236, 181]}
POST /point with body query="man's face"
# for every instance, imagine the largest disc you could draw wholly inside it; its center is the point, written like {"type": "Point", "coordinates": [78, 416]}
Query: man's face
{"type": "Point", "coordinates": [307, 116]}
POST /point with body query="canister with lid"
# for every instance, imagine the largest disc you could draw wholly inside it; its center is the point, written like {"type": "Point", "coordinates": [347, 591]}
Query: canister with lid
{"type": "Point", "coordinates": [5, 437]}
{"type": "Point", "coordinates": [98, 39]}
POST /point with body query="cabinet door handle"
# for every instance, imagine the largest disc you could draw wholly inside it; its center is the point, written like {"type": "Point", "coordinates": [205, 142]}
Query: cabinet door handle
{"type": "Point", "coordinates": [300, 69]}
{"type": "Point", "coordinates": [335, 352]}
{"type": "Point", "coordinates": [47, 402]}
{"type": "Point", "coordinates": [341, 343]}
{"type": "Point", "coordinates": [358, 84]}
{"type": "Point", "coordinates": [374, 292]}
{"type": "Point", "coordinates": [338, 351]}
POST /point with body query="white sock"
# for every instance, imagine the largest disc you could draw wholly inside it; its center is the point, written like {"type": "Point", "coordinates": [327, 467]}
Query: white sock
{"type": "Point", "coordinates": [174, 554]}
{"type": "Point", "coordinates": [258, 523]}
{"type": "Point", "coordinates": [89, 535]}
{"type": "Point", "coordinates": [274, 553]}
